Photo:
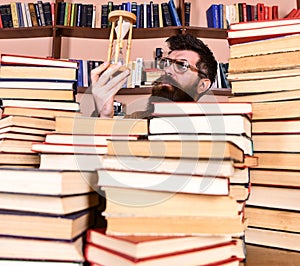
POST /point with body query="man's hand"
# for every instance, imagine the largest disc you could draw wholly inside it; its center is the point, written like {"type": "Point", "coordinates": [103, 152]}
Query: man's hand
{"type": "Point", "coordinates": [107, 80]}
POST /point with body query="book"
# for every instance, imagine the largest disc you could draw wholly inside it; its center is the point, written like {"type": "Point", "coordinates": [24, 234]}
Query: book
{"type": "Point", "coordinates": [275, 110]}
{"type": "Point", "coordinates": [203, 124]}
{"type": "Point", "coordinates": [16, 146]}
{"type": "Point", "coordinates": [276, 142]}
{"type": "Point", "coordinates": [83, 139]}
{"type": "Point", "coordinates": [9, 135]}
{"type": "Point", "coordinates": [188, 225]}
{"type": "Point", "coordinates": [160, 181]}
{"type": "Point", "coordinates": [24, 130]}
{"type": "Point", "coordinates": [78, 162]}
{"type": "Point", "coordinates": [278, 177]}
{"type": "Point", "coordinates": [137, 202]}
{"type": "Point", "coordinates": [68, 148]}
{"type": "Point", "coordinates": [47, 182]}
{"type": "Point", "coordinates": [31, 122]}
{"type": "Point", "coordinates": [52, 105]}
{"type": "Point", "coordinates": [59, 205]}
{"type": "Point", "coordinates": [36, 112]}
{"type": "Point", "coordinates": [10, 159]}
{"type": "Point", "coordinates": [212, 16]}
{"type": "Point", "coordinates": [41, 249]}
{"type": "Point", "coordinates": [16, 262]}
{"type": "Point", "coordinates": [273, 218]}
{"type": "Point", "coordinates": [174, 15]}
{"type": "Point", "coordinates": [270, 45]}
{"type": "Point", "coordinates": [170, 165]}
{"type": "Point", "coordinates": [205, 108]}
{"type": "Point", "coordinates": [146, 246]}
{"type": "Point", "coordinates": [66, 227]}
{"type": "Point", "coordinates": [278, 160]}
{"type": "Point", "coordinates": [265, 81]}
{"type": "Point", "coordinates": [272, 238]}
{"type": "Point", "coordinates": [263, 62]}
{"type": "Point", "coordinates": [38, 94]}
{"type": "Point", "coordinates": [37, 72]}
{"type": "Point", "coordinates": [166, 15]}
{"type": "Point", "coordinates": [176, 149]}
{"type": "Point", "coordinates": [286, 27]}
{"type": "Point", "coordinates": [274, 197]}
{"type": "Point", "coordinates": [267, 96]}
{"type": "Point", "coordinates": [91, 125]}
{"type": "Point", "coordinates": [205, 256]}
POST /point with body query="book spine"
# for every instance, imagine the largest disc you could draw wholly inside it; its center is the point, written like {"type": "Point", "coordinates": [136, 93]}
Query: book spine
{"type": "Point", "coordinates": [78, 18]}
{"type": "Point", "coordinates": [187, 13]}
{"type": "Point", "coordinates": [14, 14]}
{"type": "Point", "coordinates": [174, 13]}
{"type": "Point", "coordinates": [32, 14]}
{"type": "Point", "coordinates": [89, 15]}
{"type": "Point", "coordinates": [20, 15]}
{"type": "Point", "coordinates": [212, 16]}
{"type": "Point", "coordinates": [155, 15]}
{"type": "Point", "coordinates": [61, 13]}
{"type": "Point", "coordinates": [166, 15]}
{"type": "Point", "coordinates": [134, 11]}
{"type": "Point", "coordinates": [24, 14]}
{"type": "Point", "coordinates": [41, 11]}
{"type": "Point", "coordinates": [6, 16]}
{"type": "Point", "coordinates": [110, 5]}
{"type": "Point", "coordinates": [37, 13]}
{"type": "Point", "coordinates": [104, 16]}
{"type": "Point", "coordinates": [47, 13]}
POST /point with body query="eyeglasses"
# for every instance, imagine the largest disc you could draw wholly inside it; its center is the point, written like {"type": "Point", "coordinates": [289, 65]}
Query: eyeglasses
{"type": "Point", "coordinates": [180, 65]}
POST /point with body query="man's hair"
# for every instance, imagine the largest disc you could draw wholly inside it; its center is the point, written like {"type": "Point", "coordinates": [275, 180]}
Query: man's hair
{"type": "Point", "coordinates": [207, 62]}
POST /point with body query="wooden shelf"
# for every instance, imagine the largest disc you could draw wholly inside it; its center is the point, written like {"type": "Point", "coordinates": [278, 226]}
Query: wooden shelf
{"type": "Point", "coordinates": [32, 32]}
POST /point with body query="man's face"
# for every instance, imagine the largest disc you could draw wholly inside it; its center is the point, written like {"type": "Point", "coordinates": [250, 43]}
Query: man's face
{"type": "Point", "coordinates": [181, 82]}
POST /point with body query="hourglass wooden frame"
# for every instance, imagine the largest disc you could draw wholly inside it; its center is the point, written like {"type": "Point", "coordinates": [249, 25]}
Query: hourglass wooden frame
{"type": "Point", "coordinates": [114, 17]}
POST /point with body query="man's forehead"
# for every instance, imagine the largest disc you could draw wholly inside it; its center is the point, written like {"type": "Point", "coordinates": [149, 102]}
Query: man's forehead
{"type": "Point", "coordinates": [191, 56]}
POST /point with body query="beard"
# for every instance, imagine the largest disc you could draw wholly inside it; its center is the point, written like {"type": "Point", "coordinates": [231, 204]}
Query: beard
{"type": "Point", "coordinates": [166, 89]}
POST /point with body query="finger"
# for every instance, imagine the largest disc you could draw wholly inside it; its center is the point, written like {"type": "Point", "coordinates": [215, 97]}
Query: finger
{"type": "Point", "coordinates": [96, 72]}
{"type": "Point", "coordinates": [111, 72]}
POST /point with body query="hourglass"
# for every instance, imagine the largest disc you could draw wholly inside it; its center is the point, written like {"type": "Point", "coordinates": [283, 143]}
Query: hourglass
{"type": "Point", "coordinates": [121, 22]}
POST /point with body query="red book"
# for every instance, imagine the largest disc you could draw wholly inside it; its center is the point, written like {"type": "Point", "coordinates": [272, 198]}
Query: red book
{"type": "Point", "coordinates": [204, 256]}
{"type": "Point", "coordinates": [292, 13]}
{"type": "Point", "coordinates": [260, 11]}
{"type": "Point", "coordinates": [275, 12]}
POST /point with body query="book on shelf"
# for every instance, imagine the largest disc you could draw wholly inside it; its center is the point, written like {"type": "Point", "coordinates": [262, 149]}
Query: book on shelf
{"type": "Point", "coordinates": [60, 227]}
{"type": "Point", "coordinates": [37, 112]}
{"type": "Point", "coordinates": [275, 110]}
{"type": "Point", "coordinates": [276, 142]}
{"type": "Point", "coordinates": [160, 181]}
{"type": "Point", "coordinates": [276, 197]}
{"type": "Point", "coordinates": [187, 13]}
{"type": "Point", "coordinates": [203, 124]}
{"type": "Point", "coordinates": [278, 177]}
{"type": "Point", "coordinates": [41, 104]}
{"type": "Point", "coordinates": [272, 238]}
{"type": "Point", "coordinates": [146, 246]}
{"type": "Point", "coordinates": [7, 59]}
{"type": "Point", "coordinates": [224, 150]}
{"type": "Point", "coordinates": [29, 122]}
{"type": "Point", "coordinates": [41, 249]}
{"type": "Point", "coordinates": [242, 141]}
{"type": "Point", "coordinates": [272, 218]}
{"type": "Point", "coordinates": [166, 14]}
{"type": "Point", "coordinates": [207, 256]}
{"type": "Point", "coordinates": [278, 160]}
{"type": "Point", "coordinates": [50, 204]}
{"type": "Point", "coordinates": [266, 46]}
{"type": "Point", "coordinates": [213, 16]}
{"type": "Point", "coordinates": [38, 72]}
{"type": "Point", "coordinates": [39, 94]}
{"type": "Point", "coordinates": [268, 29]}
{"type": "Point", "coordinates": [48, 182]}
{"type": "Point", "coordinates": [92, 125]}
{"type": "Point", "coordinates": [78, 162]}
{"type": "Point", "coordinates": [174, 14]}
{"type": "Point", "coordinates": [266, 62]}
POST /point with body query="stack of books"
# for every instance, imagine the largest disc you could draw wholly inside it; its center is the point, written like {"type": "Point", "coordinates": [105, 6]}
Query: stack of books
{"type": "Point", "coordinates": [175, 190]}
{"type": "Point", "coordinates": [267, 73]}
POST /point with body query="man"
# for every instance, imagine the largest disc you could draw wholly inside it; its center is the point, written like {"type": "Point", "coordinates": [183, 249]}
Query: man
{"type": "Point", "coordinates": [189, 71]}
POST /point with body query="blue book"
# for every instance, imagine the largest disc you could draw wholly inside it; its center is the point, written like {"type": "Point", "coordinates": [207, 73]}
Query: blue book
{"type": "Point", "coordinates": [212, 16]}
{"type": "Point", "coordinates": [221, 16]}
{"type": "Point", "coordinates": [174, 14]}
{"type": "Point", "coordinates": [138, 16]}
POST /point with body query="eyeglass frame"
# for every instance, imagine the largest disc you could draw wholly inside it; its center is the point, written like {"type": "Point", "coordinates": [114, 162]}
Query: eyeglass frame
{"type": "Point", "coordinates": [176, 61]}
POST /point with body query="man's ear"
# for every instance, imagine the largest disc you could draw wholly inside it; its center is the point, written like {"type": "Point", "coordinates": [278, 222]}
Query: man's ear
{"type": "Point", "coordinates": [204, 85]}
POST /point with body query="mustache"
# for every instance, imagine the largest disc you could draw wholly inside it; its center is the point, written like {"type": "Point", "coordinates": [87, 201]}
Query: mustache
{"type": "Point", "coordinates": [166, 79]}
